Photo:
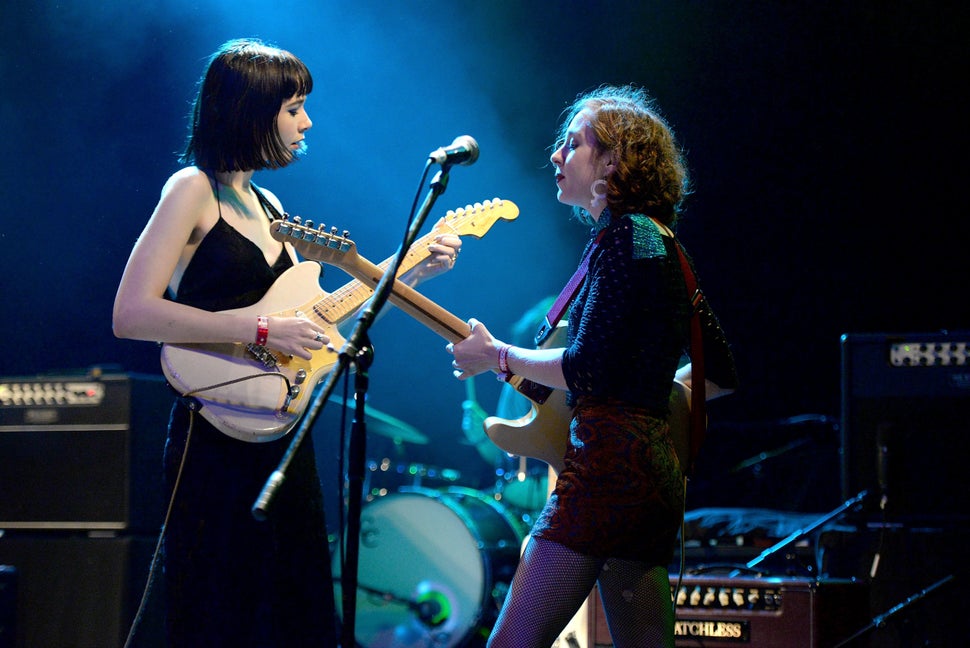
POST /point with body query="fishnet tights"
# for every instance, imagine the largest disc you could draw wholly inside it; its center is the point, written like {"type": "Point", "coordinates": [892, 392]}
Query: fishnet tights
{"type": "Point", "coordinates": [551, 583]}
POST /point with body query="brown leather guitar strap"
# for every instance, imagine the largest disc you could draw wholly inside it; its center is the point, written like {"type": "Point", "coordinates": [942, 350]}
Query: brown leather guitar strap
{"type": "Point", "coordinates": [698, 416]}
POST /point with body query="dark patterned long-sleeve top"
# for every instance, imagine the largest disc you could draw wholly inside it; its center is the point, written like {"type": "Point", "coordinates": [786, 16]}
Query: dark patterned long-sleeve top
{"type": "Point", "coordinates": [629, 326]}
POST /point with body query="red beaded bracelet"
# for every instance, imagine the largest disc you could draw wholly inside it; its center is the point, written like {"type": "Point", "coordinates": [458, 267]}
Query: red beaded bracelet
{"type": "Point", "coordinates": [262, 330]}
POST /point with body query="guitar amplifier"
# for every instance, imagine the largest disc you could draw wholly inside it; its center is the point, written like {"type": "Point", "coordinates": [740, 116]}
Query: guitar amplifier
{"type": "Point", "coordinates": [905, 416]}
{"type": "Point", "coordinates": [82, 451]}
{"type": "Point", "coordinates": [768, 612]}
{"type": "Point", "coordinates": [762, 612]}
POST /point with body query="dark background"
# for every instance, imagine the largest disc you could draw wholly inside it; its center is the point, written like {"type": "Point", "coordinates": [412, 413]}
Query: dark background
{"type": "Point", "coordinates": [828, 147]}
{"type": "Point", "coordinates": [827, 143]}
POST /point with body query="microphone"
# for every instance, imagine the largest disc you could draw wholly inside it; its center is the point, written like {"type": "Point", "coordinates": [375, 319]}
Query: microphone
{"type": "Point", "coordinates": [464, 150]}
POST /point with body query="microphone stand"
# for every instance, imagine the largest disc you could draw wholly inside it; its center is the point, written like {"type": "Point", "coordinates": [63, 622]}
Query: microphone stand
{"type": "Point", "coordinates": [880, 620]}
{"type": "Point", "coordinates": [357, 350]}
{"type": "Point", "coordinates": [795, 535]}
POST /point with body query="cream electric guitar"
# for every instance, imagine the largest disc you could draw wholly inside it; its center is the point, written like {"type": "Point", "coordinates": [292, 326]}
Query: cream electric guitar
{"type": "Point", "coordinates": [542, 433]}
{"type": "Point", "coordinates": [255, 394]}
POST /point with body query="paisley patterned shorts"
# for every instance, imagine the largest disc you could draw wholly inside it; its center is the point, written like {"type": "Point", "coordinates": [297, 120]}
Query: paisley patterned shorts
{"type": "Point", "coordinates": [621, 493]}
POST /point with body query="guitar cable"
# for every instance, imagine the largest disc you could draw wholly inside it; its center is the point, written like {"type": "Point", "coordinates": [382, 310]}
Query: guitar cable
{"type": "Point", "coordinates": [139, 614]}
{"type": "Point", "coordinates": [683, 561]}
{"type": "Point", "coordinates": [188, 396]}
{"type": "Point", "coordinates": [192, 404]}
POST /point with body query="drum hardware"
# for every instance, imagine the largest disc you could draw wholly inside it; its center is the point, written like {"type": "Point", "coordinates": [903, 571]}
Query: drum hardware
{"type": "Point", "coordinates": [385, 476]}
{"type": "Point", "coordinates": [432, 607]}
{"type": "Point", "coordinates": [437, 565]}
{"type": "Point", "coordinates": [387, 426]}
{"type": "Point", "coordinates": [523, 487]}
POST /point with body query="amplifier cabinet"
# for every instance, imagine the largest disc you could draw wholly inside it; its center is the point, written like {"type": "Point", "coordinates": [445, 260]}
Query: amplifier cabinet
{"type": "Point", "coordinates": [81, 592]}
{"type": "Point", "coordinates": [772, 612]}
{"type": "Point", "coordinates": [755, 612]}
{"type": "Point", "coordinates": [82, 452]}
{"type": "Point", "coordinates": [905, 414]}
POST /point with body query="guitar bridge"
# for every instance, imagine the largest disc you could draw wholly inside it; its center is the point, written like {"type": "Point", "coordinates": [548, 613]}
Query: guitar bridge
{"type": "Point", "coordinates": [264, 355]}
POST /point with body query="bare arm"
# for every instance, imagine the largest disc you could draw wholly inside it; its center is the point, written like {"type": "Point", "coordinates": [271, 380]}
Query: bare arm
{"type": "Point", "coordinates": [184, 213]}
{"type": "Point", "coordinates": [479, 353]}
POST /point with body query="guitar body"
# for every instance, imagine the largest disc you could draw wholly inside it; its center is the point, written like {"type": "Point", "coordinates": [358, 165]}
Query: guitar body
{"type": "Point", "coordinates": [543, 433]}
{"type": "Point", "coordinates": [253, 401]}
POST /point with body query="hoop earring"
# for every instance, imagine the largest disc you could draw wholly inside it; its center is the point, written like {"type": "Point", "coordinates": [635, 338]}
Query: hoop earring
{"type": "Point", "coordinates": [599, 196]}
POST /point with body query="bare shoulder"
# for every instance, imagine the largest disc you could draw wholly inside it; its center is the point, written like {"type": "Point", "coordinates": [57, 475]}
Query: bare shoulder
{"type": "Point", "coordinates": [188, 182]}
{"type": "Point", "coordinates": [186, 204]}
{"type": "Point", "coordinates": [188, 194]}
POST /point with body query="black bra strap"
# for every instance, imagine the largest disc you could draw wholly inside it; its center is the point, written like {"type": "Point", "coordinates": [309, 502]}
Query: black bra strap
{"type": "Point", "coordinates": [275, 214]}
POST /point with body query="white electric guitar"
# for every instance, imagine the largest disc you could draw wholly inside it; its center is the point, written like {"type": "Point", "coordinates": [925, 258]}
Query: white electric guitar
{"type": "Point", "coordinates": [255, 394]}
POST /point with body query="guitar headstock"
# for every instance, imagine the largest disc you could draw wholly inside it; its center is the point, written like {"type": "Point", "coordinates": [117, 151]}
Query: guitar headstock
{"type": "Point", "coordinates": [475, 220]}
{"type": "Point", "coordinates": [313, 242]}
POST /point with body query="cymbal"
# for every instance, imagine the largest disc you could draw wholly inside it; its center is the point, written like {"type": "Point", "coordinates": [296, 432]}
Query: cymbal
{"type": "Point", "coordinates": [386, 425]}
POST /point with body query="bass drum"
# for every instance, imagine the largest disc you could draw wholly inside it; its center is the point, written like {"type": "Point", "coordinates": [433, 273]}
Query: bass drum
{"type": "Point", "coordinates": [434, 568]}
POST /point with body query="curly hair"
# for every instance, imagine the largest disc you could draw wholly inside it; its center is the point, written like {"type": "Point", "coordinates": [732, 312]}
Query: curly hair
{"type": "Point", "coordinates": [233, 119]}
{"type": "Point", "coordinates": [650, 174]}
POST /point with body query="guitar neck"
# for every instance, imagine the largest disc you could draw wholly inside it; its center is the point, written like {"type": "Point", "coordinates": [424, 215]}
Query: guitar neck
{"type": "Point", "coordinates": [433, 316]}
{"type": "Point", "coordinates": [348, 298]}
{"type": "Point", "coordinates": [329, 247]}
{"type": "Point", "coordinates": [448, 326]}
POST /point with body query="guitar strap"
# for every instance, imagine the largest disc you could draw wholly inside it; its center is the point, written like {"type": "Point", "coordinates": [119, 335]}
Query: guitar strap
{"type": "Point", "coordinates": [698, 417]}
{"type": "Point", "coordinates": [558, 308]}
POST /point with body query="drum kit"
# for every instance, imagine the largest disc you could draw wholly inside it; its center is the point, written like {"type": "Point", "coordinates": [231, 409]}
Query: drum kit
{"type": "Point", "coordinates": [436, 558]}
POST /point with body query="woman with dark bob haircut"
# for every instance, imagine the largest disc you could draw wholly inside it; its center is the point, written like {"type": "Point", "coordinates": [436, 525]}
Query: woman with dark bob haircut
{"type": "Point", "coordinates": [205, 257]}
